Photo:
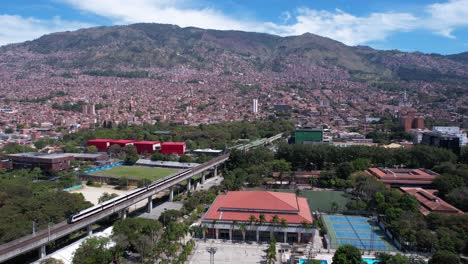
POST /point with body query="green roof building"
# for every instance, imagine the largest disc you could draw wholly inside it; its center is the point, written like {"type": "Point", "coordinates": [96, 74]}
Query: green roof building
{"type": "Point", "coordinates": [308, 136]}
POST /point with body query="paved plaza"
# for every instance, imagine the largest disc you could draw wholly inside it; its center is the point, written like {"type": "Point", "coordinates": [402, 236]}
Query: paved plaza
{"type": "Point", "coordinates": [228, 253]}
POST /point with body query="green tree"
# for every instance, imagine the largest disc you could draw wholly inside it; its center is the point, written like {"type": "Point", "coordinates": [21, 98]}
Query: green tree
{"type": "Point", "coordinates": [169, 216]}
{"type": "Point", "coordinates": [107, 196]}
{"type": "Point", "coordinates": [123, 183]}
{"type": "Point", "coordinates": [40, 144]}
{"type": "Point", "coordinates": [271, 252]}
{"type": "Point", "coordinates": [444, 257]}
{"type": "Point", "coordinates": [13, 148]}
{"type": "Point", "coordinates": [243, 229]}
{"type": "Point", "coordinates": [344, 170]}
{"type": "Point", "coordinates": [131, 154]}
{"type": "Point", "coordinates": [347, 254]}
{"type": "Point", "coordinates": [91, 149]}
{"type": "Point", "coordinates": [261, 219]}
{"type": "Point", "coordinates": [114, 151]}
{"type": "Point", "coordinates": [159, 156]}
{"type": "Point", "coordinates": [185, 158]}
{"type": "Point", "coordinates": [94, 250]}
{"type": "Point", "coordinates": [392, 259]}
{"type": "Point", "coordinates": [459, 198]}
{"type": "Point", "coordinates": [361, 164]}
{"type": "Point", "coordinates": [445, 183]}
{"type": "Point", "coordinates": [51, 261]}
{"type": "Point", "coordinates": [139, 234]}
{"type": "Point", "coordinates": [252, 219]}
{"type": "Point", "coordinates": [275, 220]}
{"type": "Point", "coordinates": [144, 182]}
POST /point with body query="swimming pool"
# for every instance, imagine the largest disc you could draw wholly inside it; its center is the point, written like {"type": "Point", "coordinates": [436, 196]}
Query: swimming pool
{"type": "Point", "coordinates": [367, 260]}
{"type": "Point", "coordinates": [302, 261]}
{"type": "Point", "coordinates": [371, 261]}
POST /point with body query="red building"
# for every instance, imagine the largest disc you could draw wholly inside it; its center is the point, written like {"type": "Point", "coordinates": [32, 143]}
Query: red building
{"type": "Point", "coordinates": [266, 215]}
{"type": "Point", "coordinates": [147, 146]}
{"type": "Point", "coordinates": [395, 177]}
{"type": "Point", "coordinates": [411, 122]}
{"type": "Point", "coordinates": [173, 148]}
{"type": "Point", "coordinates": [102, 144]}
{"type": "Point", "coordinates": [428, 202]}
{"type": "Point", "coordinates": [122, 142]}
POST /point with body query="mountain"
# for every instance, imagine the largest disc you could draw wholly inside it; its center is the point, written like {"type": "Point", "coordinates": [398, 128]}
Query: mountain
{"type": "Point", "coordinates": [150, 48]}
{"type": "Point", "coordinates": [461, 57]}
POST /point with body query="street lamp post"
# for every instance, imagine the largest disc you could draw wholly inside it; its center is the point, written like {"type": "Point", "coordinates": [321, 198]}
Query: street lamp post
{"type": "Point", "coordinates": [212, 251]}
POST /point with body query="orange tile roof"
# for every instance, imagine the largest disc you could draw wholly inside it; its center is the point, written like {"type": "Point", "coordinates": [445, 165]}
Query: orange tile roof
{"type": "Point", "coordinates": [240, 205]}
{"type": "Point", "coordinates": [402, 176]}
{"type": "Point", "coordinates": [429, 202]}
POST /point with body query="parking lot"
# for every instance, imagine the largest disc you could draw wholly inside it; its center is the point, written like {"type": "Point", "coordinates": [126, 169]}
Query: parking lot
{"type": "Point", "coordinates": [228, 253]}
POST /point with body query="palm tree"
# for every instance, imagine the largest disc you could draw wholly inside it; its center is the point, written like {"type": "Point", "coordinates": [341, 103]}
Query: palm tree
{"type": "Point", "coordinates": [233, 225]}
{"type": "Point", "coordinates": [261, 219]}
{"type": "Point", "coordinates": [275, 220]}
{"type": "Point", "coordinates": [243, 229]}
{"type": "Point", "coordinates": [205, 231]}
{"type": "Point", "coordinates": [271, 252]}
{"type": "Point", "coordinates": [252, 219]}
{"type": "Point", "coordinates": [283, 223]}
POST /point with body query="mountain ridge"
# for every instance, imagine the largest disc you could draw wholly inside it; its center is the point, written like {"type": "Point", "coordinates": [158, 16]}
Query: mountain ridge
{"type": "Point", "coordinates": [150, 45]}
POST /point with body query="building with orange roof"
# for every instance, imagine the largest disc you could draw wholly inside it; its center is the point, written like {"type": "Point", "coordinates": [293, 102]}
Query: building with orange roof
{"type": "Point", "coordinates": [259, 216]}
{"type": "Point", "coordinates": [396, 177]}
{"type": "Point", "coordinates": [429, 202]}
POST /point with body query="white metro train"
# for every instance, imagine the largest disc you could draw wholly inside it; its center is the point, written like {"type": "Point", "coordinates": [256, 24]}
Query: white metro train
{"type": "Point", "coordinates": [116, 201]}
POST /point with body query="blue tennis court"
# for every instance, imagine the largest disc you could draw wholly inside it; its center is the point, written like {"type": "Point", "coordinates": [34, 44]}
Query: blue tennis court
{"type": "Point", "coordinates": [357, 231]}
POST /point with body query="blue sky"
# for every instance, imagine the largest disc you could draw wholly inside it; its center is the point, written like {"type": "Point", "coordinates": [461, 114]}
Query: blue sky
{"type": "Point", "coordinates": [408, 25]}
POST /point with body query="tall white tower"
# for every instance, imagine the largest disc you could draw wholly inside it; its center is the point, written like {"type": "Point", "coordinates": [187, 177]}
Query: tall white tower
{"type": "Point", "coordinates": [255, 106]}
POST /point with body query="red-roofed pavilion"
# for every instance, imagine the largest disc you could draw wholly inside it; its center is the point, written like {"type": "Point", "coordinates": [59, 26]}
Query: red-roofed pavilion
{"type": "Point", "coordinates": [283, 216]}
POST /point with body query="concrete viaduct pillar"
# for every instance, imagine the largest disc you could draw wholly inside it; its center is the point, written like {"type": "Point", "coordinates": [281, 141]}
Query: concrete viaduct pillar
{"type": "Point", "coordinates": [203, 178]}
{"type": "Point", "coordinates": [149, 207]}
{"type": "Point", "coordinates": [123, 213]}
{"type": "Point", "coordinates": [215, 171]}
{"type": "Point", "coordinates": [90, 229]}
{"type": "Point", "coordinates": [171, 194]}
{"type": "Point", "coordinates": [42, 251]}
{"type": "Point", "coordinates": [189, 184]}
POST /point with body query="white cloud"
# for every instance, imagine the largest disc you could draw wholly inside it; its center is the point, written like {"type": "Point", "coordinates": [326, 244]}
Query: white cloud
{"type": "Point", "coordinates": [440, 18]}
{"type": "Point", "coordinates": [285, 16]}
{"type": "Point", "coordinates": [160, 11]}
{"type": "Point", "coordinates": [349, 29]}
{"type": "Point", "coordinates": [338, 25]}
{"type": "Point", "coordinates": [15, 29]}
{"type": "Point", "coordinates": [446, 17]}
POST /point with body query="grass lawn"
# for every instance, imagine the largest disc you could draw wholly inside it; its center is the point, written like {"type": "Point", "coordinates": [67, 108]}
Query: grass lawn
{"type": "Point", "coordinates": [322, 200]}
{"type": "Point", "coordinates": [135, 172]}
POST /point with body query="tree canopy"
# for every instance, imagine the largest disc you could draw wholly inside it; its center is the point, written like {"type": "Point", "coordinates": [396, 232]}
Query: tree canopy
{"type": "Point", "coordinates": [347, 254]}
